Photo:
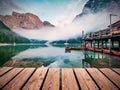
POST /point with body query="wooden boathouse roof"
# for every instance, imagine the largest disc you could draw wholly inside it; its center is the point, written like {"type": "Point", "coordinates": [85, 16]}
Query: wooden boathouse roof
{"type": "Point", "coordinates": [116, 24]}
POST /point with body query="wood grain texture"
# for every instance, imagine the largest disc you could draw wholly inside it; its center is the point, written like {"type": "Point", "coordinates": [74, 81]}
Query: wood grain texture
{"type": "Point", "coordinates": [116, 70]}
{"type": "Point", "coordinates": [56, 79]}
{"type": "Point", "coordinates": [19, 80]}
{"type": "Point", "coordinates": [101, 80]}
{"type": "Point", "coordinates": [9, 76]}
{"type": "Point", "coordinates": [112, 75]}
{"type": "Point", "coordinates": [68, 80]}
{"type": "Point", "coordinates": [85, 81]}
{"type": "Point", "coordinates": [4, 70]}
{"type": "Point", "coordinates": [36, 80]}
{"type": "Point", "coordinates": [52, 79]}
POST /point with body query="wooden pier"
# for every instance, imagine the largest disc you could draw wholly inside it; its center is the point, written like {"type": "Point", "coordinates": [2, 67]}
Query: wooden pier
{"type": "Point", "coordinates": [104, 39]}
{"type": "Point", "coordinates": [59, 78]}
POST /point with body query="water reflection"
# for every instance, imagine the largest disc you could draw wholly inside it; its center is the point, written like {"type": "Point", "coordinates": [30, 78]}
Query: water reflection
{"type": "Point", "coordinates": [50, 57]}
{"type": "Point", "coordinates": [54, 56]}
{"type": "Point", "coordinates": [100, 60]}
{"type": "Point", "coordinates": [6, 52]}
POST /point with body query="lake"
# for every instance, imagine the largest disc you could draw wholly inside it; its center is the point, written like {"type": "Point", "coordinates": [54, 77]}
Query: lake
{"type": "Point", "coordinates": [54, 56]}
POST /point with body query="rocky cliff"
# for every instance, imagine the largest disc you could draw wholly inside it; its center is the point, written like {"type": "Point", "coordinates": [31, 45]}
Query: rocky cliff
{"type": "Point", "coordinates": [94, 6]}
{"type": "Point", "coordinates": [24, 21]}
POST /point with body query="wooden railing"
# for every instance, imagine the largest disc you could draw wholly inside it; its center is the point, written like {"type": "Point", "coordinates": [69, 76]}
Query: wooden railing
{"type": "Point", "coordinates": [101, 34]}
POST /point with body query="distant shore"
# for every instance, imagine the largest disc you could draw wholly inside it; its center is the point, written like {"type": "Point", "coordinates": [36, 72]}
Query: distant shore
{"type": "Point", "coordinates": [4, 44]}
{"type": "Point", "coordinates": [8, 44]}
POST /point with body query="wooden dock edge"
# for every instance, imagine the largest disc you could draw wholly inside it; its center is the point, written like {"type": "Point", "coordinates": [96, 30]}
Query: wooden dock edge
{"type": "Point", "coordinates": [59, 78]}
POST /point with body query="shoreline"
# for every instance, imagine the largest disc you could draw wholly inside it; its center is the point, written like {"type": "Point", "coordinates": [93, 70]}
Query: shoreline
{"type": "Point", "coordinates": [5, 44]}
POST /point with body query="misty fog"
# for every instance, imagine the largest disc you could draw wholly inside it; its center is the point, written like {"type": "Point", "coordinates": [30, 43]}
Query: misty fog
{"type": "Point", "coordinates": [90, 22]}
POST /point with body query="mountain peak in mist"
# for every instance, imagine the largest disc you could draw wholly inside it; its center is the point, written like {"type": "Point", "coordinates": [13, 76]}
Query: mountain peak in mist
{"type": "Point", "coordinates": [22, 20]}
{"type": "Point", "coordinates": [94, 6]}
{"type": "Point", "coordinates": [48, 24]}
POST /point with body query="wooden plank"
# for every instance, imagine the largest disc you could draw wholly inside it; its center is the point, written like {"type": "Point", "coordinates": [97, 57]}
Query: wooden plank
{"type": "Point", "coordinates": [68, 80]}
{"type": "Point", "coordinates": [116, 70]}
{"type": "Point", "coordinates": [36, 80]}
{"type": "Point", "coordinates": [8, 76]}
{"type": "Point", "coordinates": [52, 80]}
{"type": "Point", "coordinates": [19, 80]}
{"type": "Point", "coordinates": [4, 70]}
{"type": "Point", "coordinates": [112, 76]}
{"type": "Point", "coordinates": [103, 82]}
{"type": "Point", "coordinates": [85, 81]}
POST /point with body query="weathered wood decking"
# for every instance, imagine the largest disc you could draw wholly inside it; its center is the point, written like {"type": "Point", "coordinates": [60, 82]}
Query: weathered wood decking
{"type": "Point", "coordinates": [59, 79]}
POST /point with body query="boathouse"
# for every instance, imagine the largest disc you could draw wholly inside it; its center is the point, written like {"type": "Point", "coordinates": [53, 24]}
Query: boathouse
{"type": "Point", "coordinates": [106, 40]}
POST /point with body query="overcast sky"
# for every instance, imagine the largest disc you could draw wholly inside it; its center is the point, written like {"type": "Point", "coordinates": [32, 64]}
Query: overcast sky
{"type": "Point", "coordinates": [58, 12]}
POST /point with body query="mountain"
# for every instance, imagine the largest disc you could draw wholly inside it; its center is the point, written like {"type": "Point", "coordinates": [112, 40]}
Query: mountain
{"type": "Point", "coordinates": [8, 36]}
{"type": "Point", "coordinates": [94, 6]}
{"type": "Point", "coordinates": [23, 20]}
{"type": "Point", "coordinates": [48, 24]}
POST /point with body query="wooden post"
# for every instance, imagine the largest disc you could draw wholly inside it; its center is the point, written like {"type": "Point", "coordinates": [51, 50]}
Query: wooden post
{"type": "Point", "coordinates": [110, 46]}
{"type": "Point", "coordinates": [91, 44]}
{"type": "Point", "coordinates": [102, 44]}
{"type": "Point", "coordinates": [105, 44]}
{"type": "Point", "coordinates": [85, 44]}
{"type": "Point", "coordinates": [119, 44]}
{"type": "Point", "coordinates": [94, 45]}
{"type": "Point", "coordinates": [98, 43]}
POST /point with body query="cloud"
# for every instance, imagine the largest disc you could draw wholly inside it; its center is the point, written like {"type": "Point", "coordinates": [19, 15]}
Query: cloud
{"type": "Point", "coordinates": [8, 6]}
{"type": "Point", "coordinates": [96, 21]}
{"type": "Point", "coordinates": [50, 34]}
{"type": "Point", "coordinates": [62, 16]}
{"type": "Point", "coordinates": [69, 14]}
{"type": "Point", "coordinates": [57, 12]}
{"type": "Point", "coordinates": [90, 22]}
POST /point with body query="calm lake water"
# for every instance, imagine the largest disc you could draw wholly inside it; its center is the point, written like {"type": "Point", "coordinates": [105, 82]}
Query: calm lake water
{"type": "Point", "coordinates": [53, 56]}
